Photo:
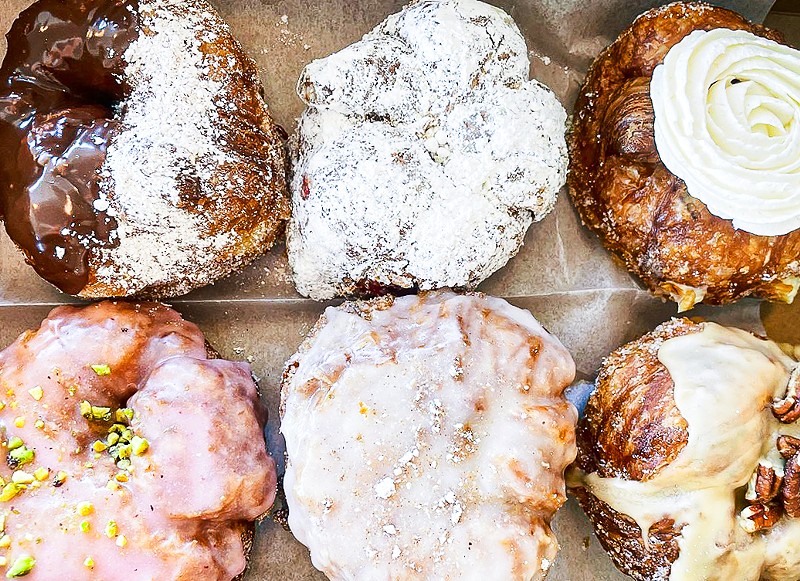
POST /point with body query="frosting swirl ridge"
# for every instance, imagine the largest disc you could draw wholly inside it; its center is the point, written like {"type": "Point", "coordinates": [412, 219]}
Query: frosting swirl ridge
{"type": "Point", "coordinates": [727, 122]}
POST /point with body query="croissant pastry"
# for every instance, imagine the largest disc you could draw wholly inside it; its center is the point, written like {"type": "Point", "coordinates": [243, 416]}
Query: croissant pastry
{"type": "Point", "coordinates": [643, 212]}
{"type": "Point", "coordinates": [688, 463]}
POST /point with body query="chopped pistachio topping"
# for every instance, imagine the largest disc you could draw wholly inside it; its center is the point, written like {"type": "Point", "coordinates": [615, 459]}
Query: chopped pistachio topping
{"type": "Point", "coordinates": [36, 392]}
{"type": "Point", "coordinates": [123, 415]}
{"type": "Point", "coordinates": [95, 413]}
{"type": "Point", "coordinates": [21, 477]}
{"type": "Point", "coordinates": [111, 529]}
{"type": "Point", "coordinates": [15, 442]}
{"type": "Point", "coordinates": [3, 561]}
{"type": "Point", "coordinates": [19, 422]}
{"type": "Point", "coordinates": [10, 490]}
{"type": "Point", "coordinates": [139, 445]}
{"type": "Point", "coordinates": [101, 369]}
{"type": "Point", "coordinates": [121, 477]}
{"type": "Point", "coordinates": [21, 567]}
{"type": "Point", "coordinates": [121, 442]}
{"type": "Point", "coordinates": [85, 526]}
{"type": "Point", "coordinates": [5, 542]}
{"type": "Point", "coordinates": [85, 508]}
{"type": "Point", "coordinates": [39, 424]}
{"type": "Point", "coordinates": [88, 562]}
{"type": "Point", "coordinates": [41, 473]}
{"type": "Point", "coordinates": [61, 478]}
{"type": "Point", "coordinates": [123, 451]}
{"type": "Point", "coordinates": [122, 541]}
{"type": "Point", "coordinates": [19, 457]}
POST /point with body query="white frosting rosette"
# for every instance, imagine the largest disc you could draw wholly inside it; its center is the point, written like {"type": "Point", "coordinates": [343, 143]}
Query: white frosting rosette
{"type": "Point", "coordinates": [727, 122]}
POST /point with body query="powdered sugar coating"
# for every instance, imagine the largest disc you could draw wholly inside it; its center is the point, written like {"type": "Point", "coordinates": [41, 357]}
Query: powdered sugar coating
{"type": "Point", "coordinates": [427, 438]}
{"type": "Point", "coordinates": [424, 153]}
{"type": "Point", "coordinates": [175, 175]}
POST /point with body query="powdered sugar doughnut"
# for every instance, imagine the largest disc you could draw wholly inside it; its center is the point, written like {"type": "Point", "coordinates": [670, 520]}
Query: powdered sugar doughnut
{"type": "Point", "coordinates": [142, 159]}
{"type": "Point", "coordinates": [424, 154]}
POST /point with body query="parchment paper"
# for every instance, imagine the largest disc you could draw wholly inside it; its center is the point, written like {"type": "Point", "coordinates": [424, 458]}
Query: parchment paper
{"type": "Point", "coordinates": [562, 274]}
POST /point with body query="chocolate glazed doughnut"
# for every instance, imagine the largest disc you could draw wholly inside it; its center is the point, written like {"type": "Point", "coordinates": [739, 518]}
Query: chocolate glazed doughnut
{"type": "Point", "coordinates": [58, 59]}
{"type": "Point", "coordinates": [75, 86]}
{"type": "Point", "coordinates": [640, 210]}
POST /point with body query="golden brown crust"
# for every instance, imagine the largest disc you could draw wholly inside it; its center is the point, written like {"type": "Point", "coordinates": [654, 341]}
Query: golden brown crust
{"type": "Point", "coordinates": [632, 429]}
{"type": "Point", "coordinates": [638, 208]}
{"type": "Point", "coordinates": [621, 537]}
{"type": "Point", "coordinates": [255, 203]}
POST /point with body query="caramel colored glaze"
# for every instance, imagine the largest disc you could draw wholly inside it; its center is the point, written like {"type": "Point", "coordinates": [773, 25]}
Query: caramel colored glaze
{"type": "Point", "coordinates": [640, 210]}
{"type": "Point", "coordinates": [631, 426]}
{"type": "Point", "coordinates": [60, 79]}
{"type": "Point", "coordinates": [185, 505]}
{"type": "Point", "coordinates": [624, 543]}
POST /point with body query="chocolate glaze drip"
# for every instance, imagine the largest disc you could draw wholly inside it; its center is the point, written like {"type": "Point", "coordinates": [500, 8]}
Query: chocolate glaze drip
{"type": "Point", "coordinates": [60, 80]}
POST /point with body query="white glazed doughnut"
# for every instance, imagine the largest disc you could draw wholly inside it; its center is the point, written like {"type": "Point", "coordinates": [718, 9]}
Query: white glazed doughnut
{"type": "Point", "coordinates": [427, 438]}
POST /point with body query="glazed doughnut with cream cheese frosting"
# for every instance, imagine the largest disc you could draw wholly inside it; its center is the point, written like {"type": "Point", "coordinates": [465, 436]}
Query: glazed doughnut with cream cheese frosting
{"type": "Point", "coordinates": [427, 438]}
{"type": "Point", "coordinates": [139, 155]}
{"type": "Point", "coordinates": [129, 453]}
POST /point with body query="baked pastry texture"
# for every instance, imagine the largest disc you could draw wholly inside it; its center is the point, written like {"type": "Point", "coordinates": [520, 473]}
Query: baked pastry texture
{"type": "Point", "coordinates": [688, 456]}
{"type": "Point", "coordinates": [129, 452]}
{"type": "Point", "coordinates": [140, 158]}
{"type": "Point", "coordinates": [643, 212]}
{"type": "Point", "coordinates": [423, 156]}
{"type": "Point", "coordinates": [427, 438]}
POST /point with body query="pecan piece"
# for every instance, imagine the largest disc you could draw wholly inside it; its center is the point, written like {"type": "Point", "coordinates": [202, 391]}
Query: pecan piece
{"type": "Point", "coordinates": [764, 485]}
{"type": "Point", "coordinates": [759, 516]}
{"type": "Point", "coordinates": [791, 487]}
{"type": "Point", "coordinates": [788, 446]}
{"type": "Point", "coordinates": [787, 410]}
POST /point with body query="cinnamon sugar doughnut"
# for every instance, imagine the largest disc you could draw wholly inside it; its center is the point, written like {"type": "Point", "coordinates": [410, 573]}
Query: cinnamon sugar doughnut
{"type": "Point", "coordinates": [128, 452]}
{"type": "Point", "coordinates": [140, 156]}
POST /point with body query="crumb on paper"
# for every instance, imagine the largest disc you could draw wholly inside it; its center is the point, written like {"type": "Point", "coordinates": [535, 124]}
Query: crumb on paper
{"type": "Point", "coordinates": [286, 37]}
{"type": "Point", "coordinates": [542, 57]}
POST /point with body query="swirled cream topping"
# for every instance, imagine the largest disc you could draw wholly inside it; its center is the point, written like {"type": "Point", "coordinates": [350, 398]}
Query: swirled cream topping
{"type": "Point", "coordinates": [727, 122]}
